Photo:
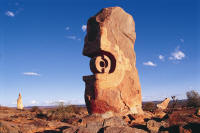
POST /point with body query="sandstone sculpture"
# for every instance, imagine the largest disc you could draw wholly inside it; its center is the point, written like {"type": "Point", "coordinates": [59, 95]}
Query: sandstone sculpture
{"type": "Point", "coordinates": [164, 104]}
{"type": "Point", "coordinates": [19, 102]}
{"type": "Point", "coordinates": [115, 85]}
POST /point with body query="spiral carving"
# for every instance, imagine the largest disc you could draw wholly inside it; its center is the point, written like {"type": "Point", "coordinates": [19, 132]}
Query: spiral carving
{"type": "Point", "coordinates": [103, 63]}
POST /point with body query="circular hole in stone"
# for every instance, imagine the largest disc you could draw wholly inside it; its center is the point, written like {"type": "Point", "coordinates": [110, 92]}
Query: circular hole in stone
{"type": "Point", "coordinates": [102, 64]}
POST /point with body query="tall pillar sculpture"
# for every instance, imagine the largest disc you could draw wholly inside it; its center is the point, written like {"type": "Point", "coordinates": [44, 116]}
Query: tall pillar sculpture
{"type": "Point", "coordinates": [114, 86]}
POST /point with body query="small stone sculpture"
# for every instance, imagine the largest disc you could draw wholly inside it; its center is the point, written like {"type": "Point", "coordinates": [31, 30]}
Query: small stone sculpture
{"type": "Point", "coordinates": [19, 102]}
{"type": "Point", "coordinates": [164, 104]}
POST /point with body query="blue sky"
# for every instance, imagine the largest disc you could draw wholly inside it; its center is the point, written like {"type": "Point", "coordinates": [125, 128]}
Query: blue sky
{"type": "Point", "coordinates": [41, 46]}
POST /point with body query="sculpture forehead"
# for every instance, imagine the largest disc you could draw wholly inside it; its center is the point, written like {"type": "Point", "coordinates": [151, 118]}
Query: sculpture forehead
{"type": "Point", "coordinates": [113, 22]}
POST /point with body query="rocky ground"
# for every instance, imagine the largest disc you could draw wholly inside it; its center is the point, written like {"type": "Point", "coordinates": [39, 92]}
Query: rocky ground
{"type": "Point", "coordinates": [72, 119]}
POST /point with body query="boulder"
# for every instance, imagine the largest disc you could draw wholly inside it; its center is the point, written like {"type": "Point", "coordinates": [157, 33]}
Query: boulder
{"type": "Point", "coordinates": [114, 122]}
{"type": "Point", "coordinates": [90, 118]}
{"type": "Point", "coordinates": [159, 114]}
{"type": "Point", "coordinates": [94, 127]}
{"type": "Point", "coordinates": [137, 119]}
{"type": "Point", "coordinates": [109, 42]}
{"type": "Point", "coordinates": [154, 126]}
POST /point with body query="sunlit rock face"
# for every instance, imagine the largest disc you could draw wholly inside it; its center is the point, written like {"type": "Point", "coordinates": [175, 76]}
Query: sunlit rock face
{"type": "Point", "coordinates": [19, 102]}
{"type": "Point", "coordinates": [115, 86]}
{"type": "Point", "coordinates": [164, 104]}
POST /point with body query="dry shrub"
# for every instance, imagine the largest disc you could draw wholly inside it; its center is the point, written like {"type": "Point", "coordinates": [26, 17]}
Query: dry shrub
{"type": "Point", "coordinates": [63, 113]}
{"type": "Point", "coordinates": [4, 108]}
{"type": "Point", "coordinates": [193, 99]}
{"type": "Point", "coordinates": [176, 119]}
{"type": "Point", "coordinates": [149, 106]}
{"type": "Point", "coordinates": [35, 109]}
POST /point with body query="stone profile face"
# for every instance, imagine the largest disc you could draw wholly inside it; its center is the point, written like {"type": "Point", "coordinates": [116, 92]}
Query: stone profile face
{"type": "Point", "coordinates": [19, 102]}
{"type": "Point", "coordinates": [114, 86]}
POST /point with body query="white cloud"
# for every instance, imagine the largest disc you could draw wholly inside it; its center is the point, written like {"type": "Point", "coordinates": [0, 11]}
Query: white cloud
{"type": "Point", "coordinates": [161, 57]}
{"type": "Point", "coordinates": [61, 101]}
{"type": "Point", "coordinates": [33, 102]}
{"type": "Point", "coordinates": [177, 54]}
{"type": "Point", "coordinates": [31, 74]}
{"type": "Point", "coordinates": [182, 40]}
{"type": "Point", "coordinates": [9, 14]}
{"type": "Point", "coordinates": [71, 37]}
{"type": "Point", "coordinates": [67, 28]}
{"type": "Point", "coordinates": [84, 27]}
{"type": "Point", "coordinates": [149, 63]}
{"type": "Point", "coordinates": [14, 103]}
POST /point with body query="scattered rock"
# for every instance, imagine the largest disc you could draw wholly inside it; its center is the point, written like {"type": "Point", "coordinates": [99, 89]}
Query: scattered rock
{"type": "Point", "coordinates": [114, 122]}
{"type": "Point", "coordinates": [115, 85]}
{"type": "Point", "coordinates": [85, 130]}
{"type": "Point", "coordinates": [137, 119]}
{"type": "Point", "coordinates": [159, 114]}
{"type": "Point", "coordinates": [123, 130]}
{"type": "Point", "coordinates": [8, 128]}
{"type": "Point", "coordinates": [148, 114]}
{"type": "Point", "coordinates": [126, 119]}
{"type": "Point", "coordinates": [164, 104]}
{"type": "Point", "coordinates": [70, 130]}
{"type": "Point", "coordinates": [94, 127]}
{"type": "Point", "coordinates": [99, 126]}
{"type": "Point", "coordinates": [153, 126]}
{"type": "Point", "coordinates": [90, 118]}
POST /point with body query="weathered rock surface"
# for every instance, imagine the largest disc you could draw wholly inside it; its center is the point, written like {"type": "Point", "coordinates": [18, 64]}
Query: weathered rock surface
{"type": "Point", "coordinates": [115, 86]}
{"type": "Point", "coordinates": [159, 114]}
{"type": "Point", "coordinates": [123, 130]}
{"type": "Point", "coordinates": [27, 121]}
{"type": "Point", "coordinates": [164, 104]}
{"type": "Point", "coordinates": [114, 122]}
{"type": "Point", "coordinates": [19, 102]}
{"type": "Point", "coordinates": [155, 126]}
{"type": "Point", "coordinates": [8, 128]}
{"type": "Point", "coordinates": [109, 125]}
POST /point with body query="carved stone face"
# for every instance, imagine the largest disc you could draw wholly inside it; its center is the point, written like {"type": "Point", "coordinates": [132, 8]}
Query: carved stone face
{"type": "Point", "coordinates": [109, 43]}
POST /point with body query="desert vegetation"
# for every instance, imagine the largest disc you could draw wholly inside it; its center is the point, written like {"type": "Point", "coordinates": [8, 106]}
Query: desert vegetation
{"type": "Point", "coordinates": [149, 106]}
{"type": "Point", "coordinates": [63, 112]}
{"type": "Point", "coordinates": [193, 99]}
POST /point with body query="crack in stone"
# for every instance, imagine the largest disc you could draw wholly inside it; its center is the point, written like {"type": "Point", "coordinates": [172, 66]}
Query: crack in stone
{"type": "Point", "coordinates": [123, 101]}
{"type": "Point", "coordinates": [132, 39]}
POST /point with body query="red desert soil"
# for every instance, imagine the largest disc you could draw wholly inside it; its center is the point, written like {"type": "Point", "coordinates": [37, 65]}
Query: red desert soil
{"type": "Point", "coordinates": [54, 120]}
